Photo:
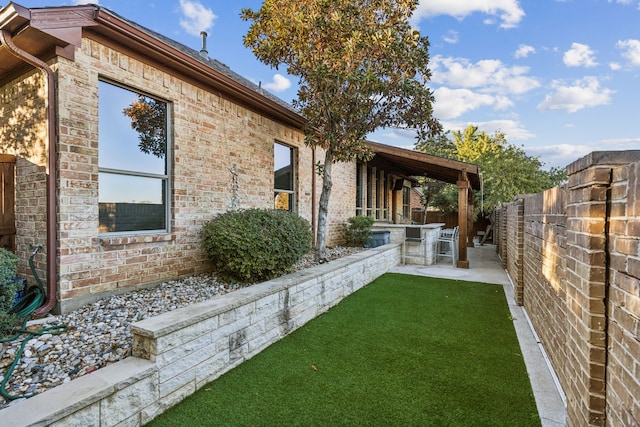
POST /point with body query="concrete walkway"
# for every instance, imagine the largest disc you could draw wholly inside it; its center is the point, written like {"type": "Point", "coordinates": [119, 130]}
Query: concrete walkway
{"type": "Point", "coordinates": [485, 266]}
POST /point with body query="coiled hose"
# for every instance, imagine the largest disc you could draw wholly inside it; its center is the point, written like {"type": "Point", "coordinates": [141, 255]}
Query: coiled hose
{"type": "Point", "coordinates": [32, 300]}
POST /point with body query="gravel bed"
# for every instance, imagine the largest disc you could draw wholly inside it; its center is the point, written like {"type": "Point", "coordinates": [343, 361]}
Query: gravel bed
{"type": "Point", "coordinates": [98, 334]}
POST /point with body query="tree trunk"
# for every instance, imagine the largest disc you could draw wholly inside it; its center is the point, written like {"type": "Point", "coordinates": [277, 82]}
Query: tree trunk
{"type": "Point", "coordinates": [323, 209]}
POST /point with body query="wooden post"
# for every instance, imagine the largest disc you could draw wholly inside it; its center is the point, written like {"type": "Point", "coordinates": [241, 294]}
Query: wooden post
{"type": "Point", "coordinates": [463, 206]}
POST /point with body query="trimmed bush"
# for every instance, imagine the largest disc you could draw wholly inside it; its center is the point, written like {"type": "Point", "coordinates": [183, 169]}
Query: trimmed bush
{"type": "Point", "coordinates": [8, 288]}
{"type": "Point", "coordinates": [254, 245]}
{"type": "Point", "coordinates": [358, 230]}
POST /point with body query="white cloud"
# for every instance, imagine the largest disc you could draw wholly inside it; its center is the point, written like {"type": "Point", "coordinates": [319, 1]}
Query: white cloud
{"type": "Point", "coordinates": [583, 93]}
{"type": "Point", "coordinates": [452, 103]}
{"type": "Point", "coordinates": [512, 129]}
{"type": "Point", "coordinates": [630, 50]}
{"type": "Point", "coordinates": [508, 11]}
{"type": "Point", "coordinates": [614, 66]}
{"type": "Point", "coordinates": [488, 75]}
{"type": "Point", "coordinates": [565, 154]}
{"type": "Point", "coordinates": [524, 50]}
{"type": "Point", "coordinates": [279, 84]}
{"type": "Point", "coordinates": [560, 155]}
{"type": "Point", "coordinates": [196, 17]}
{"type": "Point", "coordinates": [579, 55]}
{"type": "Point", "coordinates": [451, 37]}
{"type": "Point", "coordinates": [79, 2]}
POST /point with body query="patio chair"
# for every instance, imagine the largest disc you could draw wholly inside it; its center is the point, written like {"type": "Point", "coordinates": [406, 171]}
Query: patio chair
{"type": "Point", "coordinates": [414, 235]}
{"type": "Point", "coordinates": [447, 244]}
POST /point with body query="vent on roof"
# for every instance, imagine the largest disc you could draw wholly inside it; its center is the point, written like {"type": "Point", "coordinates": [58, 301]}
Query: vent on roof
{"type": "Point", "coordinates": [203, 51]}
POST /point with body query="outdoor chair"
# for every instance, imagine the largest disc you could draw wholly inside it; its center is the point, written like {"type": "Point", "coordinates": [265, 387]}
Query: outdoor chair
{"type": "Point", "coordinates": [447, 244]}
{"type": "Point", "coordinates": [414, 235]}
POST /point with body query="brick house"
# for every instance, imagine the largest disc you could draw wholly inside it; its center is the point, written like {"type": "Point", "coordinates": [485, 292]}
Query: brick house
{"type": "Point", "coordinates": [118, 208]}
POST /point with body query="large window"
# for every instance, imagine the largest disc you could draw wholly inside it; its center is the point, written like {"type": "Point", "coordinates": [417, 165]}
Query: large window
{"type": "Point", "coordinates": [132, 158]}
{"type": "Point", "coordinates": [283, 177]}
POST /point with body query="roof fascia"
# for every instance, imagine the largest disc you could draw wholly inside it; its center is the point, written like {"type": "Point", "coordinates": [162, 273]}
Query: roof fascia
{"type": "Point", "coordinates": [473, 171]}
{"type": "Point", "coordinates": [191, 66]}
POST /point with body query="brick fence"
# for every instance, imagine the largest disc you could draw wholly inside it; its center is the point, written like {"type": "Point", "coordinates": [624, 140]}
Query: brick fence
{"type": "Point", "coordinates": [573, 254]}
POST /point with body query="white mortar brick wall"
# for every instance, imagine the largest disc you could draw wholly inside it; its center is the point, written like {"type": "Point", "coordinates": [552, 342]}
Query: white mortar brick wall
{"type": "Point", "coordinates": [178, 352]}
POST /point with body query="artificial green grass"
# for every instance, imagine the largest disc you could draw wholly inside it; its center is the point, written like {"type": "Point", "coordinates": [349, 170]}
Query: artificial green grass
{"type": "Point", "coordinates": [403, 351]}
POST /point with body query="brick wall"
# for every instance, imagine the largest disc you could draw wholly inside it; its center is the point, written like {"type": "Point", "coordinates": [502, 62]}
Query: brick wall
{"type": "Point", "coordinates": [212, 135]}
{"type": "Point", "coordinates": [581, 284]}
{"type": "Point", "coordinates": [544, 263]}
{"type": "Point", "coordinates": [23, 133]}
{"type": "Point", "coordinates": [623, 328]}
{"type": "Point", "coordinates": [514, 244]}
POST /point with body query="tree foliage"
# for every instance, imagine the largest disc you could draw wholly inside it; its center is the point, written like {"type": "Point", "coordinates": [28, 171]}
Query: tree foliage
{"type": "Point", "coordinates": [148, 118]}
{"type": "Point", "coordinates": [360, 66]}
{"type": "Point", "coordinates": [507, 170]}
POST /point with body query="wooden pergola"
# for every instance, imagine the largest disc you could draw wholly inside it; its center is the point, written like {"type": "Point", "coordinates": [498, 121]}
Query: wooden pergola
{"type": "Point", "coordinates": [466, 176]}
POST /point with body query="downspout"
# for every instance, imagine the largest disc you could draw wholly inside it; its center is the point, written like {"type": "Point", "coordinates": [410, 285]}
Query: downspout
{"type": "Point", "coordinates": [52, 271]}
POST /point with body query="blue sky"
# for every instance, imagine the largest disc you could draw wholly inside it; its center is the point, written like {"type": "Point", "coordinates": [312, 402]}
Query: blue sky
{"type": "Point", "coordinates": [561, 78]}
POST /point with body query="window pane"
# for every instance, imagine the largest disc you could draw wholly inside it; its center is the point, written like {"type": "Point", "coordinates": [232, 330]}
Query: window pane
{"type": "Point", "coordinates": [129, 203]}
{"type": "Point", "coordinates": [132, 131]}
{"type": "Point", "coordinates": [405, 202]}
{"type": "Point", "coordinates": [283, 201]}
{"type": "Point", "coordinates": [283, 167]}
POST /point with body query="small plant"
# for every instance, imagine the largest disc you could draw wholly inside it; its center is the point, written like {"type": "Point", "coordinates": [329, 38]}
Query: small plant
{"type": "Point", "coordinates": [8, 288]}
{"type": "Point", "coordinates": [358, 230]}
{"type": "Point", "coordinates": [255, 244]}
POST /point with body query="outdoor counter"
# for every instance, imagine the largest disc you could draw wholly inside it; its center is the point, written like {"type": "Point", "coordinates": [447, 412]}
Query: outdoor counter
{"type": "Point", "coordinates": [415, 255]}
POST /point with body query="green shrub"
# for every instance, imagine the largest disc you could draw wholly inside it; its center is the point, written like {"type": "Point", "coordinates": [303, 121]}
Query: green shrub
{"type": "Point", "coordinates": [8, 288]}
{"type": "Point", "coordinates": [254, 245]}
{"type": "Point", "coordinates": [358, 230]}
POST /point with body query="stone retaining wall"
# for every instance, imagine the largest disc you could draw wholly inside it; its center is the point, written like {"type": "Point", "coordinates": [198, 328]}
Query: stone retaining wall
{"type": "Point", "coordinates": [178, 352]}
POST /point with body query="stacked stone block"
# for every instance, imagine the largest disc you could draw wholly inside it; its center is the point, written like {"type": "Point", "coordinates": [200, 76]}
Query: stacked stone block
{"type": "Point", "coordinates": [180, 351]}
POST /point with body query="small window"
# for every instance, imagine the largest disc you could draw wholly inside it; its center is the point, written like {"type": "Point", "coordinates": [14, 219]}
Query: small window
{"type": "Point", "coordinates": [133, 178]}
{"type": "Point", "coordinates": [370, 179]}
{"type": "Point", "coordinates": [359, 188]}
{"type": "Point", "coordinates": [406, 203]}
{"type": "Point", "coordinates": [283, 177]}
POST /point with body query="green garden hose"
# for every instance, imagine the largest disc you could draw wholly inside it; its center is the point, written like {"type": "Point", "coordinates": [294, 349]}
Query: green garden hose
{"type": "Point", "coordinates": [32, 300]}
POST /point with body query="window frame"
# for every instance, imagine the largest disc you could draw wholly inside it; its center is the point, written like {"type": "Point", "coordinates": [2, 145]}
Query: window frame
{"type": "Point", "coordinates": [165, 179]}
{"type": "Point", "coordinates": [406, 203]}
{"type": "Point", "coordinates": [294, 176]}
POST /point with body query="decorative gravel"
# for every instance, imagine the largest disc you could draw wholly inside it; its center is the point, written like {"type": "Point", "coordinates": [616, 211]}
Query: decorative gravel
{"type": "Point", "coordinates": [98, 334]}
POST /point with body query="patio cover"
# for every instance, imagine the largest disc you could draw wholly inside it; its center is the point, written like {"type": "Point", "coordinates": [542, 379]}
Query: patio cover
{"type": "Point", "coordinates": [466, 176]}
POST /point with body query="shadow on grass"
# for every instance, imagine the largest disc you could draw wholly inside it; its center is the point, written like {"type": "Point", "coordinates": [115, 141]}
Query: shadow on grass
{"type": "Point", "coordinates": [403, 351]}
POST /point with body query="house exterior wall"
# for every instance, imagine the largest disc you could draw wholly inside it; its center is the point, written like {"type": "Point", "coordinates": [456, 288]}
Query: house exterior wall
{"type": "Point", "coordinates": [212, 137]}
{"type": "Point", "coordinates": [23, 133]}
{"type": "Point", "coordinates": [581, 285]}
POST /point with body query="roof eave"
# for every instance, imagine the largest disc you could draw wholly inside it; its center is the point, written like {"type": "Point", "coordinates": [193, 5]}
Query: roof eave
{"type": "Point", "coordinates": [190, 65]}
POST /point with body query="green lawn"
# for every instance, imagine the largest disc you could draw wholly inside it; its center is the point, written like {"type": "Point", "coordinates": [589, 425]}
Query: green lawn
{"type": "Point", "coordinates": [403, 351]}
